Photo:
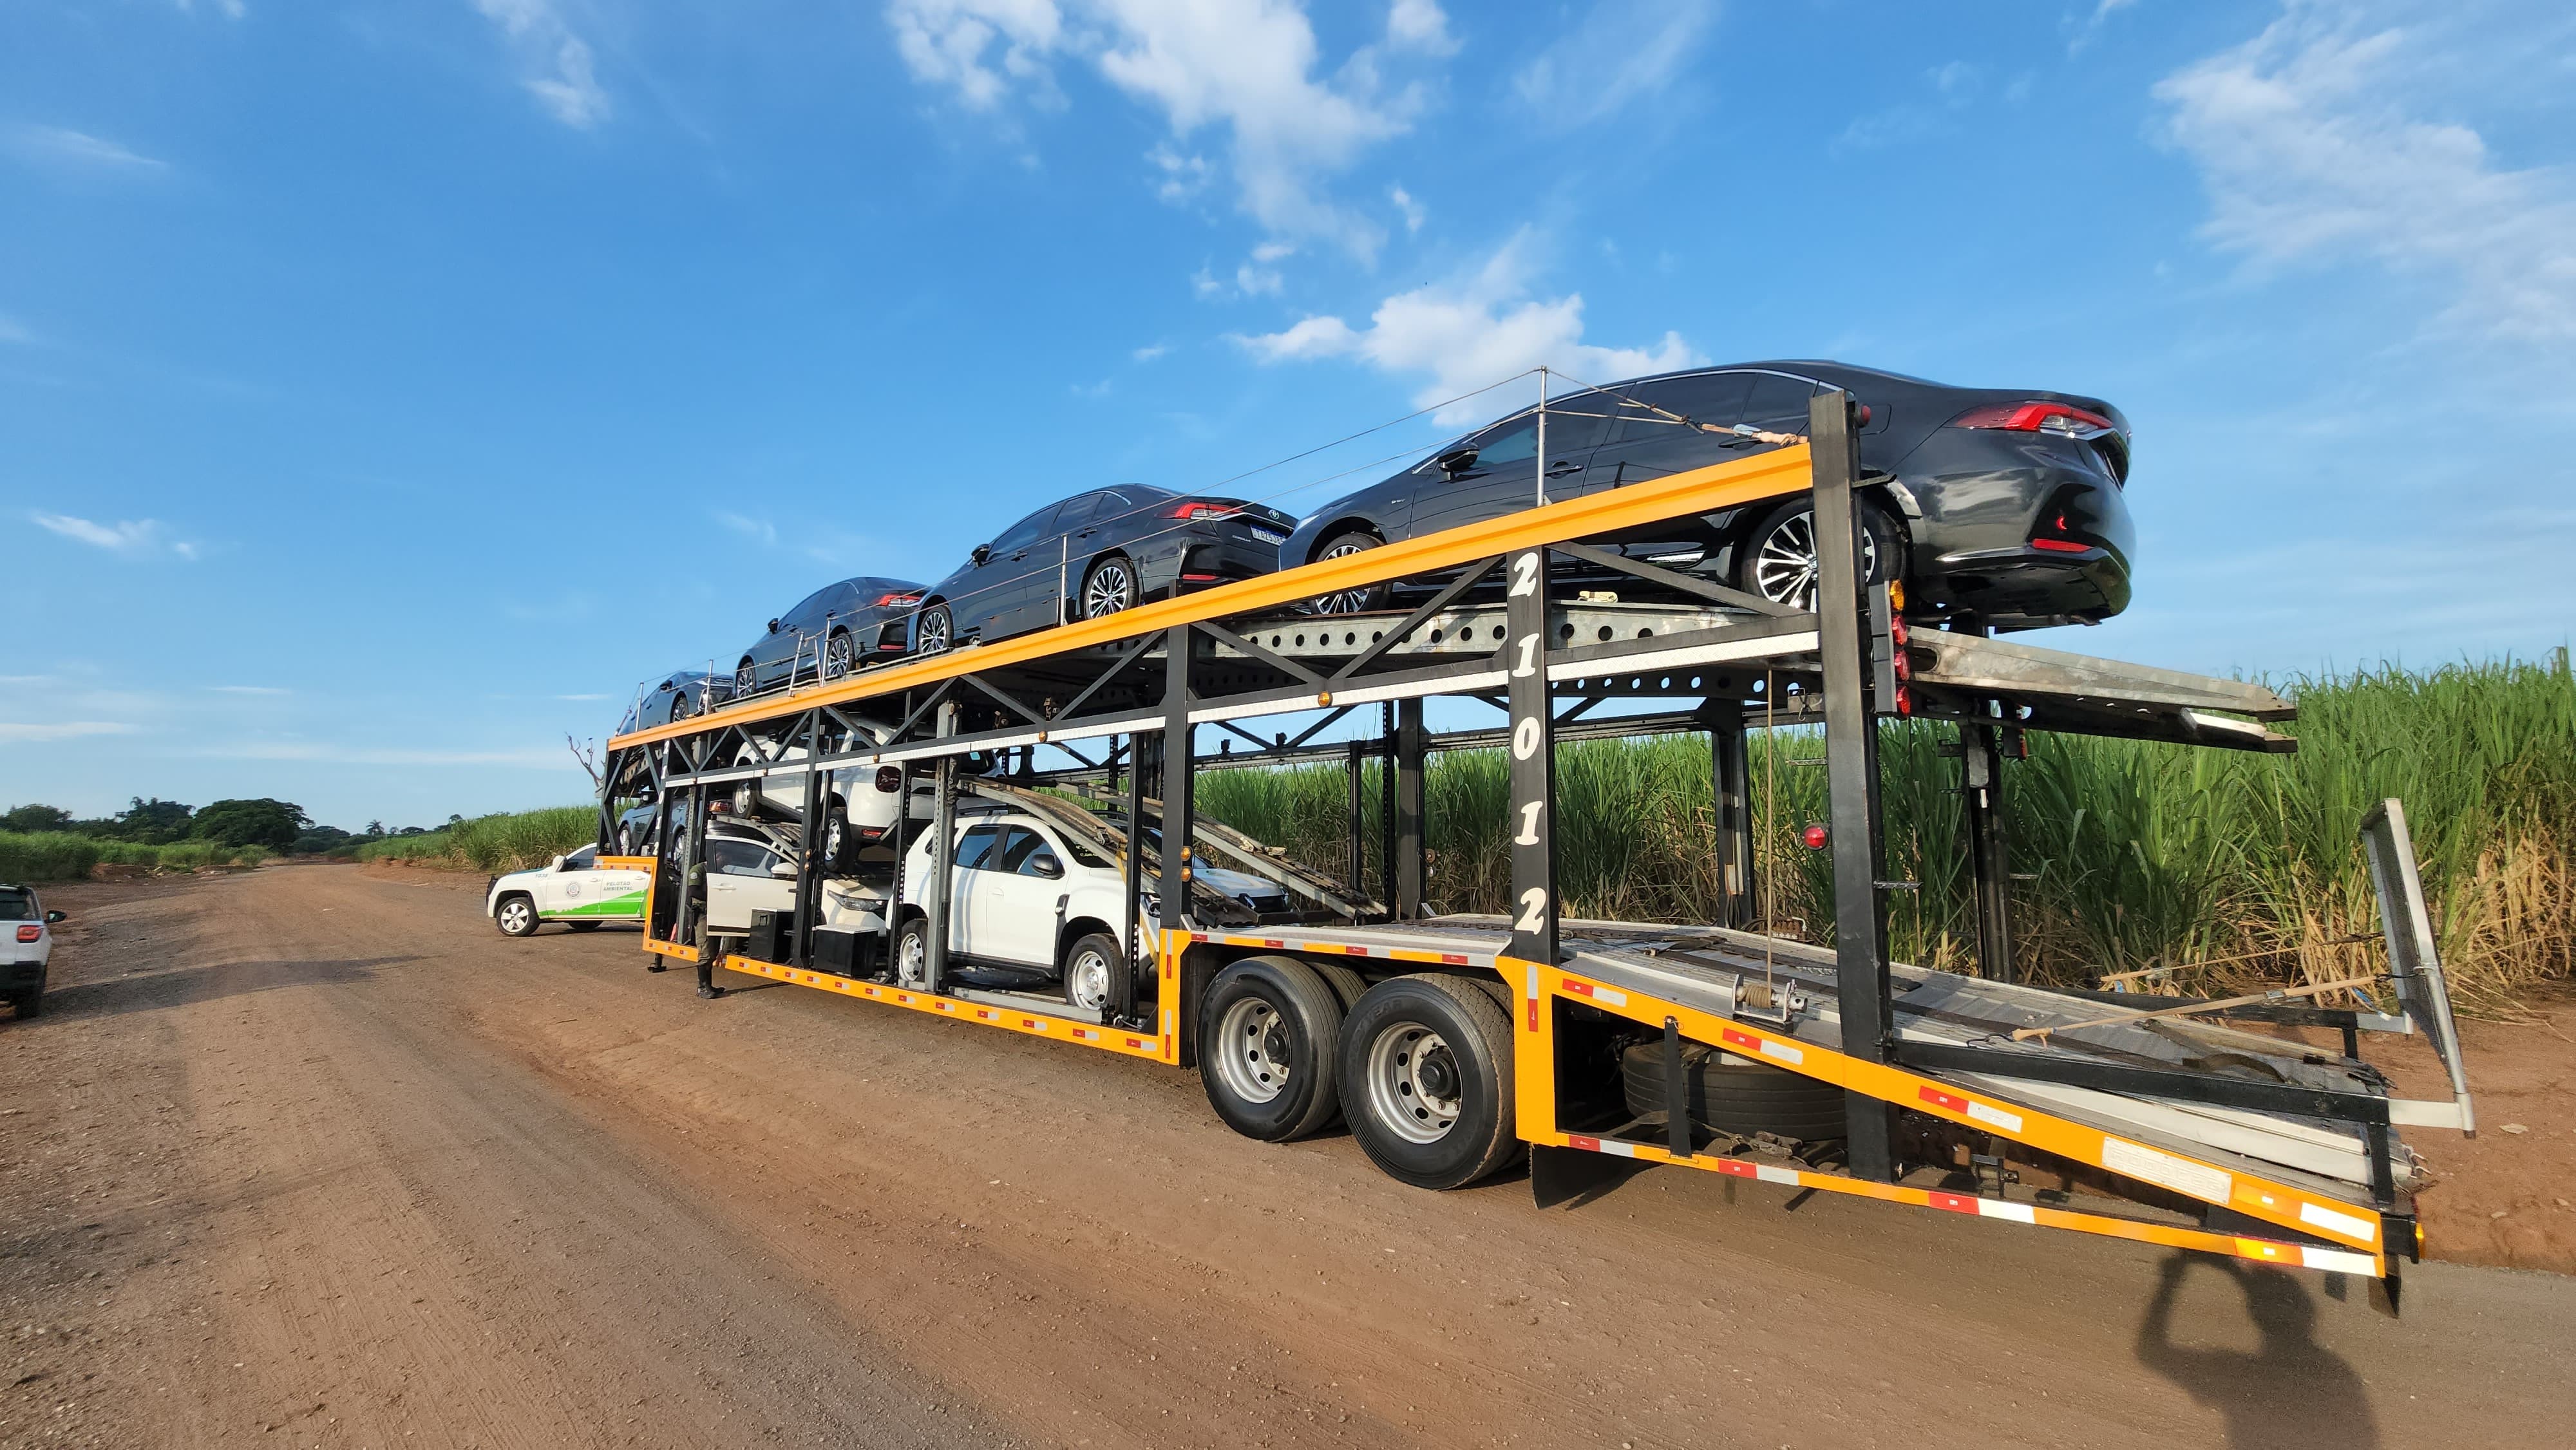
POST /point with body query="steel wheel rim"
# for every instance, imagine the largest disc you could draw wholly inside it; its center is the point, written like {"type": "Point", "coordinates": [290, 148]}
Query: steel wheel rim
{"type": "Point", "coordinates": [1349, 601]}
{"type": "Point", "coordinates": [515, 917]}
{"type": "Point", "coordinates": [934, 632]}
{"type": "Point", "coordinates": [1785, 567]}
{"type": "Point", "coordinates": [1252, 1051]}
{"type": "Point", "coordinates": [1087, 980]}
{"type": "Point", "coordinates": [912, 959]}
{"type": "Point", "coordinates": [836, 657]}
{"type": "Point", "coordinates": [1107, 593]}
{"type": "Point", "coordinates": [1414, 1085]}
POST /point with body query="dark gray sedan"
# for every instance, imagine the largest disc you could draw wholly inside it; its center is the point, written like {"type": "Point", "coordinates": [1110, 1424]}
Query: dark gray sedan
{"type": "Point", "coordinates": [2000, 506]}
{"type": "Point", "coordinates": [829, 633]}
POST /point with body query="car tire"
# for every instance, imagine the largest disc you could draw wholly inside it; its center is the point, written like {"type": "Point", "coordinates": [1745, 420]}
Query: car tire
{"type": "Point", "coordinates": [836, 839]}
{"type": "Point", "coordinates": [30, 1003]}
{"type": "Point", "coordinates": [1735, 1094]}
{"type": "Point", "coordinates": [1426, 1069]}
{"type": "Point", "coordinates": [1267, 1030]}
{"type": "Point", "coordinates": [933, 630]}
{"type": "Point", "coordinates": [746, 677]}
{"type": "Point", "coordinates": [1097, 955]}
{"type": "Point", "coordinates": [1352, 601]}
{"type": "Point", "coordinates": [912, 954]}
{"type": "Point", "coordinates": [1776, 558]}
{"type": "Point", "coordinates": [840, 656]}
{"type": "Point", "coordinates": [681, 708]}
{"type": "Point", "coordinates": [1109, 588]}
{"type": "Point", "coordinates": [516, 915]}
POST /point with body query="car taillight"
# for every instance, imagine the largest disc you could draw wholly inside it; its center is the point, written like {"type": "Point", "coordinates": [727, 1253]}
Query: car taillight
{"type": "Point", "coordinates": [30, 933]}
{"type": "Point", "coordinates": [2064, 419]}
{"type": "Point", "coordinates": [891, 601]}
{"type": "Point", "coordinates": [2051, 536]}
{"type": "Point", "coordinates": [1196, 509]}
{"type": "Point", "coordinates": [889, 778]}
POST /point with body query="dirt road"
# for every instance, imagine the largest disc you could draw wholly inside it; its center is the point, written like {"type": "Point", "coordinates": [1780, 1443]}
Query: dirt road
{"type": "Point", "coordinates": [312, 1156]}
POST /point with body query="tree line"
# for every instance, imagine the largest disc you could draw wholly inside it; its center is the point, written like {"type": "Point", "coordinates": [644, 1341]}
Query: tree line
{"type": "Point", "coordinates": [276, 825]}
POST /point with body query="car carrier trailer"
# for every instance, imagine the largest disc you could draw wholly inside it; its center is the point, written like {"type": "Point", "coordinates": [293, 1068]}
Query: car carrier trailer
{"type": "Point", "coordinates": [1450, 1043]}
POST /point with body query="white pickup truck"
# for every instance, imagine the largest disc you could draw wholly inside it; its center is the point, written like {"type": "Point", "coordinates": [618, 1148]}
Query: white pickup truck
{"type": "Point", "coordinates": [574, 889]}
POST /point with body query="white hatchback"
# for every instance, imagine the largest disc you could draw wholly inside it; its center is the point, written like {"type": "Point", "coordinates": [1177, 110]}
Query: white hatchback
{"type": "Point", "coordinates": [26, 949]}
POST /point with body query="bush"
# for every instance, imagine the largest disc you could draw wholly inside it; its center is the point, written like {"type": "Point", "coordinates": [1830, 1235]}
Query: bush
{"type": "Point", "coordinates": [59, 856]}
{"type": "Point", "coordinates": [507, 842]}
{"type": "Point", "coordinates": [2230, 867]}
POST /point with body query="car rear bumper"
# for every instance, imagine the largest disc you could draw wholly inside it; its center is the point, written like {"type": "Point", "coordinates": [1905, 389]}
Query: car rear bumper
{"type": "Point", "coordinates": [1972, 549]}
{"type": "Point", "coordinates": [23, 972]}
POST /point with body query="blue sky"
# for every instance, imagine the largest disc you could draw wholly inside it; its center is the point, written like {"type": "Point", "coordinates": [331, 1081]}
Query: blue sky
{"type": "Point", "coordinates": [386, 388]}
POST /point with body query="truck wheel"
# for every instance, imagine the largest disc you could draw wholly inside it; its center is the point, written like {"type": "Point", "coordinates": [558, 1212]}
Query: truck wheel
{"type": "Point", "coordinates": [517, 916]}
{"type": "Point", "coordinates": [1428, 1060]}
{"type": "Point", "coordinates": [1735, 1094]}
{"type": "Point", "coordinates": [1089, 971]}
{"type": "Point", "coordinates": [912, 953]}
{"type": "Point", "coordinates": [1266, 1034]}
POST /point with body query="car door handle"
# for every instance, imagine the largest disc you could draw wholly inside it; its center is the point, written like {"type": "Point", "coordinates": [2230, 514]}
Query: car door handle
{"type": "Point", "coordinates": [1560, 470]}
{"type": "Point", "coordinates": [1086, 533]}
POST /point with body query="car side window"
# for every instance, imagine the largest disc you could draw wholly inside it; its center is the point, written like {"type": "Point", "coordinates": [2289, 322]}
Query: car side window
{"type": "Point", "coordinates": [1026, 532]}
{"type": "Point", "coordinates": [1777, 404]}
{"type": "Point", "coordinates": [727, 857]}
{"type": "Point", "coordinates": [1082, 509]}
{"type": "Point", "coordinates": [1700, 397]}
{"type": "Point", "coordinates": [975, 846]}
{"type": "Point", "coordinates": [1514, 442]}
{"type": "Point", "coordinates": [1022, 850]}
{"type": "Point", "coordinates": [813, 606]}
{"type": "Point", "coordinates": [582, 860]}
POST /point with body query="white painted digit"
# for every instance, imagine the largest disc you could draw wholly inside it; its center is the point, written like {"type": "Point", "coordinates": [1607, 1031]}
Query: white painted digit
{"type": "Point", "coordinates": [1529, 658]}
{"type": "Point", "coordinates": [1525, 738]}
{"type": "Point", "coordinates": [1524, 575]}
{"type": "Point", "coordinates": [1533, 911]}
{"type": "Point", "coordinates": [1529, 824]}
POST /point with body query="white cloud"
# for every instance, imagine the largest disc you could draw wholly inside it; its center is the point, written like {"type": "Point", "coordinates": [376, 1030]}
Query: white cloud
{"type": "Point", "coordinates": [1419, 25]}
{"type": "Point", "coordinates": [62, 146]}
{"type": "Point", "coordinates": [760, 529]}
{"type": "Point", "coordinates": [337, 754]}
{"type": "Point", "coordinates": [1612, 56]}
{"type": "Point", "coordinates": [134, 538]}
{"type": "Point", "coordinates": [561, 75]}
{"type": "Point", "coordinates": [1245, 68]}
{"type": "Point", "coordinates": [1414, 215]}
{"type": "Point", "coordinates": [1471, 334]}
{"type": "Point", "coordinates": [1149, 353]}
{"type": "Point", "coordinates": [14, 731]}
{"type": "Point", "coordinates": [2314, 145]}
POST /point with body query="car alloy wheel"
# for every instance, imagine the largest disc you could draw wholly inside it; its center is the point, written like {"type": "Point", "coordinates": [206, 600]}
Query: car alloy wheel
{"type": "Point", "coordinates": [1784, 560]}
{"type": "Point", "coordinates": [836, 657]}
{"type": "Point", "coordinates": [930, 635]}
{"type": "Point", "coordinates": [518, 918]}
{"type": "Point", "coordinates": [745, 678]}
{"type": "Point", "coordinates": [1110, 589]}
{"type": "Point", "coordinates": [1348, 601]}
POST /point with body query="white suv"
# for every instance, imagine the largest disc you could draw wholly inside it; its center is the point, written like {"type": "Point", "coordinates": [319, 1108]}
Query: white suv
{"type": "Point", "coordinates": [575, 890]}
{"type": "Point", "coordinates": [26, 946]}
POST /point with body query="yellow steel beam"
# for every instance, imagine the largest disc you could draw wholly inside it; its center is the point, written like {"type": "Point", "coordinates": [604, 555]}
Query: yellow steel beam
{"type": "Point", "coordinates": [983, 1014]}
{"type": "Point", "coordinates": [1697, 491]}
{"type": "Point", "coordinates": [2255, 1197]}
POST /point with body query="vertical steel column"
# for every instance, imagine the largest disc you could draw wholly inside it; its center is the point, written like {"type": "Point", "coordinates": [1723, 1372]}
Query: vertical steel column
{"type": "Point", "coordinates": [1729, 780]}
{"type": "Point", "coordinates": [1410, 864]}
{"type": "Point", "coordinates": [1358, 858]}
{"type": "Point", "coordinates": [693, 850]}
{"type": "Point", "coordinates": [1533, 756]}
{"type": "Point", "coordinates": [1386, 805]}
{"type": "Point", "coordinates": [1176, 776]}
{"type": "Point", "coordinates": [943, 858]}
{"type": "Point", "coordinates": [1981, 764]}
{"type": "Point", "coordinates": [1122, 997]}
{"type": "Point", "coordinates": [809, 876]}
{"type": "Point", "coordinates": [1851, 772]}
{"type": "Point", "coordinates": [901, 834]}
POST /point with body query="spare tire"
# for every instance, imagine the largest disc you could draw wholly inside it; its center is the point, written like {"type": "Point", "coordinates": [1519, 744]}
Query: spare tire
{"type": "Point", "coordinates": [1734, 1094]}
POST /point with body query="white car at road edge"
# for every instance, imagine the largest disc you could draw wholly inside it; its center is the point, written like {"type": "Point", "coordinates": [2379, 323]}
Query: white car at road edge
{"type": "Point", "coordinates": [573, 889]}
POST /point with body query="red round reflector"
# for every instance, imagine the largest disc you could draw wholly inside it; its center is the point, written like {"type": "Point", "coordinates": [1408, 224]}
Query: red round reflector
{"type": "Point", "coordinates": [1814, 836]}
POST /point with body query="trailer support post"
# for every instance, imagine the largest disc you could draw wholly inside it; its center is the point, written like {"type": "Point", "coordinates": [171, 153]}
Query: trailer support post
{"type": "Point", "coordinates": [1406, 809]}
{"type": "Point", "coordinates": [1176, 1005]}
{"type": "Point", "coordinates": [1981, 761]}
{"type": "Point", "coordinates": [1533, 906]}
{"type": "Point", "coordinates": [1358, 857]}
{"type": "Point", "coordinates": [1851, 772]}
{"type": "Point", "coordinates": [943, 858]}
{"type": "Point", "coordinates": [1386, 805]}
{"type": "Point", "coordinates": [1729, 776]}
{"type": "Point", "coordinates": [1122, 996]}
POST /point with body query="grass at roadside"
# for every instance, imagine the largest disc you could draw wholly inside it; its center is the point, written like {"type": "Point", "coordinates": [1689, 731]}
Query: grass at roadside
{"type": "Point", "coordinates": [507, 842]}
{"type": "Point", "coordinates": [2233, 867]}
{"type": "Point", "coordinates": [62, 856]}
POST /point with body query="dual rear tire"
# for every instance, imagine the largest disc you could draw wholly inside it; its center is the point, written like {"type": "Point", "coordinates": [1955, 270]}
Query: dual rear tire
{"type": "Point", "coordinates": [1420, 1067]}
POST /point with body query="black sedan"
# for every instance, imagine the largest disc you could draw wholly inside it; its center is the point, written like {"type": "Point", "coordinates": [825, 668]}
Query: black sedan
{"type": "Point", "coordinates": [829, 633]}
{"type": "Point", "coordinates": [2001, 507]}
{"type": "Point", "coordinates": [1095, 554]}
{"type": "Point", "coordinates": [675, 696]}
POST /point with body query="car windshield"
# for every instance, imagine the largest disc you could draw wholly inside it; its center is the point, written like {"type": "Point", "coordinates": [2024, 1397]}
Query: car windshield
{"type": "Point", "coordinates": [17, 904]}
